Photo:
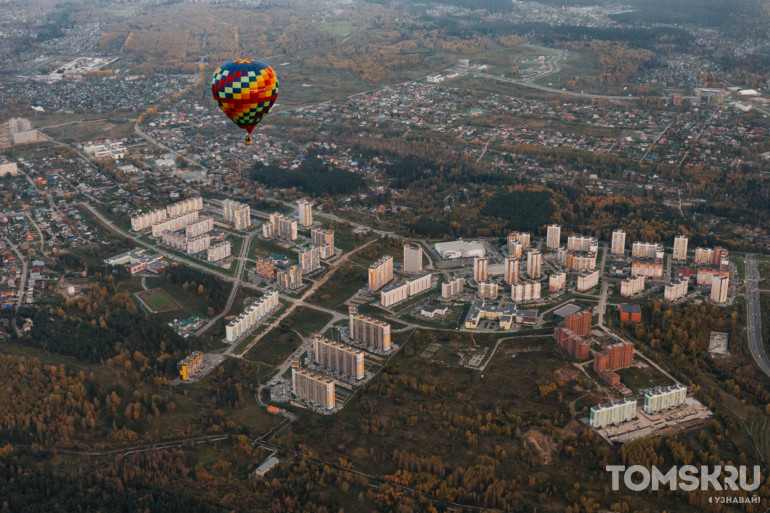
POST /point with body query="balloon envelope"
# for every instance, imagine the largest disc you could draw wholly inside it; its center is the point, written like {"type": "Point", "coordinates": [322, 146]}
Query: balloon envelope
{"type": "Point", "coordinates": [245, 90]}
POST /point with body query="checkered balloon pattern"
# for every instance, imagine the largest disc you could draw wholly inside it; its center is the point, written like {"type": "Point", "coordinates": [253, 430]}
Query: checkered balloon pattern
{"type": "Point", "coordinates": [245, 90]}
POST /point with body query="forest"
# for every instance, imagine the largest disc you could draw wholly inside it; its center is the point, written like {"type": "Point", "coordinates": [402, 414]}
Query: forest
{"type": "Point", "coordinates": [313, 177]}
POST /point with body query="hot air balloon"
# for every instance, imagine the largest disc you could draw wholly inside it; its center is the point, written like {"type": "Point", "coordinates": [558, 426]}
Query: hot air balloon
{"type": "Point", "coordinates": [245, 90]}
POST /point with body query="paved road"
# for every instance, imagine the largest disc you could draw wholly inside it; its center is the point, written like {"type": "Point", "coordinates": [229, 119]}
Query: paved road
{"type": "Point", "coordinates": [602, 308]}
{"type": "Point", "coordinates": [754, 315]}
{"type": "Point", "coordinates": [532, 85]}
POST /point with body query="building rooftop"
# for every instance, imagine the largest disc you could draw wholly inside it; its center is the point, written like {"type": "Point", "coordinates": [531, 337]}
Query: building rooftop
{"type": "Point", "coordinates": [630, 308]}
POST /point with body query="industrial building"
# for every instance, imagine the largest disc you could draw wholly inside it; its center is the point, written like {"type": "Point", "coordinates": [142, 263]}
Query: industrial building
{"type": "Point", "coordinates": [289, 279]}
{"type": "Point", "coordinates": [677, 289]}
{"type": "Point", "coordinates": [380, 273]}
{"type": "Point", "coordinates": [480, 269]}
{"type": "Point", "coordinates": [612, 413]}
{"type": "Point", "coordinates": [618, 247]}
{"type": "Point", "coordinates": [237, 214]}
{"type": "Point", "coordinates": [459, 249]}
{"type": "Point", "coordinates": [412, 258]}
{"type": "Point", "coordinates": [631, 286]}
{"type": "Point", "coordinates": [250, 317]}
{"type": "Point", "coordinates": [553, 236]}
{"type": "Point", "coordinates": [305, 213]}
{"type": "Point", "coordinates": [534, 264]}
{"type": "Point", "coordinates": [452, 288]}
{"type": "Point", "coordinates": [557, 281]}
{"type": "Point", "coordinates": [400, 291]}
{"type": "Point", "coordinates": [525, 291]}
{"type": "Point", "coordinates": [367, 331]}
{"type": "Point", "coordinates": [587, 280]}
{"type": "Point", "coordinates": [680, 248]}
{"type": "Point", "coordinates": [338, 358]}
{"type": "Point", "coordinates": [663, 398]}
{"type": "Point", "coordinates": [312, 388]}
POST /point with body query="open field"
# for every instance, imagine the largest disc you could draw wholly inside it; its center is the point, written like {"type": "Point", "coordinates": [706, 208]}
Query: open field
{"type": "Point", "coordinates": [157, 300]}
{"type": "Point", "coordinates": [347, 280]}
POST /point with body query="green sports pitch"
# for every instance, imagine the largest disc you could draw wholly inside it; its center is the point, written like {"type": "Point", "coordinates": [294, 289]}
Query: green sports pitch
{"type": "Point", "coordinates": [157, 301]}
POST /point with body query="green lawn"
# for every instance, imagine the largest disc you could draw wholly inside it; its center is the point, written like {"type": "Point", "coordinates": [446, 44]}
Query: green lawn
{"type": "Point", "coordinates": [157, 300]}
{"type": "Point", "coordinates": [337, 28]}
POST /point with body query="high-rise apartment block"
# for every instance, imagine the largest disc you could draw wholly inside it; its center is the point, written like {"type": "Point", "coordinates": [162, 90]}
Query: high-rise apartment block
{"type": "Point", "coordinates": [576, 260]}
{"type": "Point", "coordinates": [181, 242]}
{"type": "Point", "coordinates": [142, 221]}
{"type": "Point", "coordinates": [663, 398]}
{"type": "Point", "coordinates": [480, 269]}
{"type": "Point", "coordinates": [652, 269]}
{"type": "Point", "coordinates": [612, 413]}
{"type": "Point", "coordinates": [250, 317]}
{"type": "Point", "coordinates": [204, 224]}
{"type": "Point", "coordinates": [522, 238]}
{"type": "Point", "coordinates": [185, 206]}
{"type": "Point", "coordinates": [711, 256]}
{"type": "Point", "coordinates": [312, 388]}
{"type": "Point", "coordinates": [452, 288]}
{"type": "Point", "coordinates": [680, 248]}
{"type": "Point", "coordinates": [511, 270]}
{"type": "Point", "coordinates": [280, 226]}
{"type": "Point", "coordinates": [557, 281]}
{"type": "Point", "coordinates": [399, 292]}
{"type": "Point", "coordinates": [488, 290]}
{"type": "Point", "coordinates": [305, 213]}
{"type": "Point", "coordinates": [289, 279]}
{"type": "Point", "coordinates": [324, 239]}
{"type": "Point", "coordinates": [676, 289]}
{"type": "Point", "coordinates": [237, 214]}
{"type": "Point", "coordinates": [219, 251]}
{"type": "Point", "coordinates": [579, 323]}
{"type": "Point", "coordinates": [632, 286]}
{"type": "Point", "coordinates": [265, 269]}
{"type": "Point", "coordinates": [525, 291]}
{"type": "Point", "coordinates": [534, 264]}
{"type": "Point", "coordinates": [339, 358]}
{"type": "Point", "coordinates": [553, 236]}
{"type": "Point", "coordinates": [719, 286]}
{"type": "Point", "coordinates": [310, 260]}
{"type": "Point", "coordinates": [576, 346]}
{"type": "Point", "coordinates": [618, 243]}
{"type": "Point", "coordinates": [647, 250]}
{"type": "Point", "coordinates": [614, 357]}
{"type": "Point", "coordinates": [412, 258]}
{"type": "Point", "coordinates": [587, 280]}
{"type": "Point", "coordinates": [174, 223]}
{"type": "Point", "coordinates": [380, 273]}
{"type": "Point", "coordinates": [515, 249]}
{"type": "Point", "coordinates": [707, 276]}
{"type": "Point", "coordinates": [582, 244]}
{"type": "Point", "coordinates": [368, 332]}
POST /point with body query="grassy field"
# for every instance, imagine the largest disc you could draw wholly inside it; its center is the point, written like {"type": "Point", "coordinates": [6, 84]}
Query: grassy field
{"type": "Point", "coordinates": [636, 378]}
{"type": "Point", "coordinates": [157, 300]}
{"type": "Point", "coordinates": [337, 28]}
{"type": "Point", "coordinates": [275, 346]}
{"type": "Point", "coordinates": [308, 320]}
{"type": "Point", "coordinates": [347, 280]}
{"type": "Point", "coordinates": [87, 130]}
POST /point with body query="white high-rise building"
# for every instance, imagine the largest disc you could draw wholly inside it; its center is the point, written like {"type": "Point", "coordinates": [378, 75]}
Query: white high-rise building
{"type": "Point", "coordinates": [719, 285]}
{"type": "Point", "coordinates": [680, 248]}
{"type": "Point", "coordinates": [534, 264]}
{"type": "Point", "coordinates": [582, 243]}
{"type": "Point", "coordinates": [618, 242]}
{"type": "Point", "coordinates": [480, 269]}
{"type": "Point", "coordinates": [305, 213]}
{"type": "Point", "coordinates": [237, 213]}
{"type": "Point", "coordinates": [412, 258]}
{"type": "Point", "coordinates": [612, 413]}
{"type": "Point", "coordinates": [511, 271]}
{"type": "Point", "coordinates": [557, 281]}
{"type": "Point", "coordinates": [553, 237]}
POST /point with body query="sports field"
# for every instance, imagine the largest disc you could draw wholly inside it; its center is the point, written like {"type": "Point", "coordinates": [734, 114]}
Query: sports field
{"type": "Point", "coordinates": [157, 300]}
